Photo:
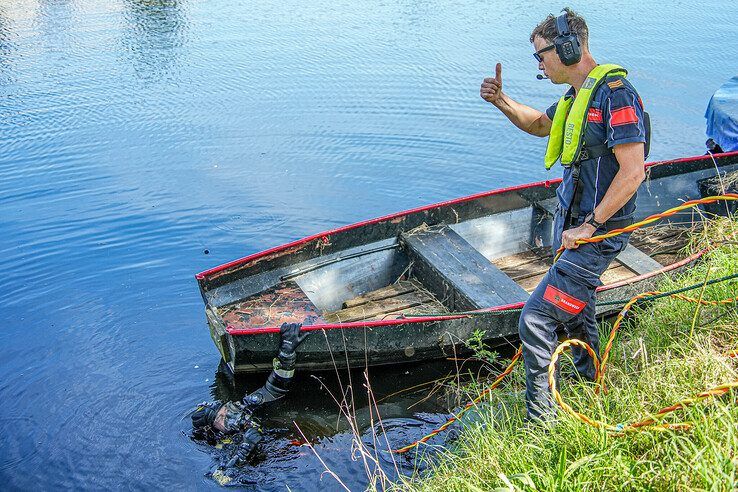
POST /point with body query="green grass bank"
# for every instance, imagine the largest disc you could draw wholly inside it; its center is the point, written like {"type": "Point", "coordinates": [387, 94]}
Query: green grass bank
{"type": "Point", "coordinates": [666, 351]}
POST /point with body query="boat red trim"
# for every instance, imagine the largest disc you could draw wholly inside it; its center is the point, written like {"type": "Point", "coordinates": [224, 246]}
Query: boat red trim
{"type": "Point", "coordinates": [691, 159]}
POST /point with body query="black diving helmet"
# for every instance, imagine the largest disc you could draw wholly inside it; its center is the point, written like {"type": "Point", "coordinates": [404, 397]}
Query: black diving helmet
{"type": "Point", "coordinates": [227, 418]}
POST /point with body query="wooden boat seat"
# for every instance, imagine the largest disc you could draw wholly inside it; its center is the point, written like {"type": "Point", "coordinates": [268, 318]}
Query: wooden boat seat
{"type": "Point", "coordinates": [637, 260]}
{"type": "Point", "coordinates": [457, 273]}
{"type": "Point", "coordinates": [548, 206]}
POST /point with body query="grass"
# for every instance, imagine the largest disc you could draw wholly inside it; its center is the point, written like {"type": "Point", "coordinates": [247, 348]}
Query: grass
{"type": "Point", "coordinates": [667, 351]}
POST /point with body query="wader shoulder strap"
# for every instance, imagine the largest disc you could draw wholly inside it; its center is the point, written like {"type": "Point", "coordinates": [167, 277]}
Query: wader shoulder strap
{"type": "Point", "coordinates": [594, 152]}
{"type": "Point", "coordinates": [572, 213]}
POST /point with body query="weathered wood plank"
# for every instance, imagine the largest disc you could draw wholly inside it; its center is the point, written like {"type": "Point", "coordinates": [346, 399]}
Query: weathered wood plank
{"type": "Point", "coordinates": [528, 267]}
{"type": "Point", "coordinates": [637, 260]}
{"type": "Point", "coordinates": [528, 270]}
{"type": "Point", "coordinates": [381, 307]}
{"type": "Point", "coordinates": [394, 290]}
{"type": "Point", "coordinates": [616, 273]}
{"type": "Point", "coordinates": [430, 307]}
{"type": "Point", "coordinates": [524, 258]}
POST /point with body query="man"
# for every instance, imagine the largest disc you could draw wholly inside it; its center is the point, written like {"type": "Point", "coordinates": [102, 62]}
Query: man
{"type": "Point", "coordinates": [599, 132]}
{"type": "Point", "coordinates": [213, 421]}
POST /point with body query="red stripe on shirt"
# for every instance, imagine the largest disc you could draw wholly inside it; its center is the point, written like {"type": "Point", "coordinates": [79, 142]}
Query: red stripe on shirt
{"type": "Point", "coordinates": [594, 115]}
{"type": "Point", "coordinates": [623, 116]}
{"type": "Point", "coordinates": [563, 301]}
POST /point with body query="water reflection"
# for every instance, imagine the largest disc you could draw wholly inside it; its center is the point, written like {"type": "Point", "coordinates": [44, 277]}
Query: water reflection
{"type": "Point", "coordinates": [154, 36]}
{"type": "Point", "coordinates": [7, 48]}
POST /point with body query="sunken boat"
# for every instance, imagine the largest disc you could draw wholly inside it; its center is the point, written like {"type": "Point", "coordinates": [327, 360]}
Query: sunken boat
{"type": "Point", "coordinates": [400, 288]}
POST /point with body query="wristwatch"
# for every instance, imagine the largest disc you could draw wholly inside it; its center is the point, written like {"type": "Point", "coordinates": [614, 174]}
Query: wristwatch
{"type": "Point", "coordinates": [590, 219]}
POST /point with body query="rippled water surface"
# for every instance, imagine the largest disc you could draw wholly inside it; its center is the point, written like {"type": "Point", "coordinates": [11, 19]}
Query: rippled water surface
{"type": "Point", "coordinates": [136, 134]}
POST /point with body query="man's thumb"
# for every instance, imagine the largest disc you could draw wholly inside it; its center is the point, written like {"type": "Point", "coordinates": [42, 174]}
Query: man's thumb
{"type": "Point", "coordinates": [498, 72]}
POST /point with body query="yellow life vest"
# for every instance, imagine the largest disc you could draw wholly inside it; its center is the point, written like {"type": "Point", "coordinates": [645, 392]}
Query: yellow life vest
{"type": "Point", "coordinates": [570, 120]}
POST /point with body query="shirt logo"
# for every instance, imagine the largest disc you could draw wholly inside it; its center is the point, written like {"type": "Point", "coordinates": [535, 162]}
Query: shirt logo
{"type": "Point", "coordinates": [594, 115]}
{"type": "Point", "coordinates": [562, 300]}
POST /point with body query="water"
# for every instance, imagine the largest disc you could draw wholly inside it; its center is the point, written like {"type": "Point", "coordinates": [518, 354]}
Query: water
{"type": "Point", "coordinates": [136, 134]}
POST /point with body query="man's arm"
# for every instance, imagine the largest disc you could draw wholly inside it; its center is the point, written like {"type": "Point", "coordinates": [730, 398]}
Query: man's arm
{"type": "Point", "coordinates": [524, 117]}
{"type": "Point", "coordinates": [625, 183]}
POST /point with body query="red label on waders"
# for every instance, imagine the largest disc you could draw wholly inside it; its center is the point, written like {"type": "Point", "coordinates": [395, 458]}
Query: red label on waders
{"type": "Point", "coordinates": [563, 301]}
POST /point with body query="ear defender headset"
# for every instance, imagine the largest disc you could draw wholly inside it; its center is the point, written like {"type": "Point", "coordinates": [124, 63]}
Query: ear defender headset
{"type": "Point", "coordinates": [566, 43]}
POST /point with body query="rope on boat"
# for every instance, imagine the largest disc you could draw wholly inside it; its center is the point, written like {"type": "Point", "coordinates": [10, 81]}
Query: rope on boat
{"type": "Point", "coordinates": [652, 218]}
{"type": "Point", "coordinates": [600, 365]}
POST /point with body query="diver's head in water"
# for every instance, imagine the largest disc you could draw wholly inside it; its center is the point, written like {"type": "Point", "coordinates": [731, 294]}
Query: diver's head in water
{"type": "Point", "coordinates": [205, 414]}
{"type": "Point", "coordinates": [225, 418]}
{"type": "Point", "coordinates": [230, 427]}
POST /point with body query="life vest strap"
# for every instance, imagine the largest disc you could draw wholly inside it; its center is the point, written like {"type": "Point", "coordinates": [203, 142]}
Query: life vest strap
{"type": "Point", "coordinates": [594, 152]}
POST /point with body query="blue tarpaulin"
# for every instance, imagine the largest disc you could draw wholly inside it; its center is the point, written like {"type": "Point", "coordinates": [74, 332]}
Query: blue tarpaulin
{"type": "Point", "coordinates": [722, 116]}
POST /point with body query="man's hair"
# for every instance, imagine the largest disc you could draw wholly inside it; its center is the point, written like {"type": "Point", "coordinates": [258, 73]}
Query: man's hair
{"type": "Point", "coordinates": [547, 28]}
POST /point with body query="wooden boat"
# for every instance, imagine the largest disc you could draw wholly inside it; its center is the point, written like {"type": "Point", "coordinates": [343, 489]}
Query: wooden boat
{"type": "Point", "coordinates": [376, 292]}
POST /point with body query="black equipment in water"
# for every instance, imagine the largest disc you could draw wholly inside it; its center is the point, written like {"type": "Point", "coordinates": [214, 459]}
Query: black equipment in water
{"type": "Point", "coordinates": [231, 418]}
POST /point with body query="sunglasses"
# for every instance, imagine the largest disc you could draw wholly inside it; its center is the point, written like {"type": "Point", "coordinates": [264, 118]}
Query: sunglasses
{"type": "Point", "coordinates": [537, 54]}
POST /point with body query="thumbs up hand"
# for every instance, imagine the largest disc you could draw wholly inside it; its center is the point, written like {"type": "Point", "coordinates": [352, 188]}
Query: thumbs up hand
{"type": "Point", "coordinates": [491, 90]}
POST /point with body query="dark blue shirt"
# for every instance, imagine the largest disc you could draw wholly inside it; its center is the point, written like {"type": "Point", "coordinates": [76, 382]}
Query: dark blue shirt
{"type": "Point", "coordinates": [615, 117]}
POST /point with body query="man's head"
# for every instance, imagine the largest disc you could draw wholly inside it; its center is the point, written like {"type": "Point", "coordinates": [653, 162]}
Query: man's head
{"type": "Point", "coordinates": [205, 414]}
{"type": "Point", "coordinates": [543, 37]}
{"type": "Point", "coordinates": [221, 417]}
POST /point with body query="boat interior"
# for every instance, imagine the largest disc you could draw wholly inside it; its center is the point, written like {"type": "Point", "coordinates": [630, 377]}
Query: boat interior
{"type": "Point", "coordinates": [431, 270]}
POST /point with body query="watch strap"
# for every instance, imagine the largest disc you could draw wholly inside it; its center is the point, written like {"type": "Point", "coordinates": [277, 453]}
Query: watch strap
{"type": "Point", "coordinates": [590, 219]}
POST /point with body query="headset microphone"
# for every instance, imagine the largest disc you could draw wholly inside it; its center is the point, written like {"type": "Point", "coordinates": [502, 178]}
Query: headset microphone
{"type": "Point", "coordinates": [541, 77]}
